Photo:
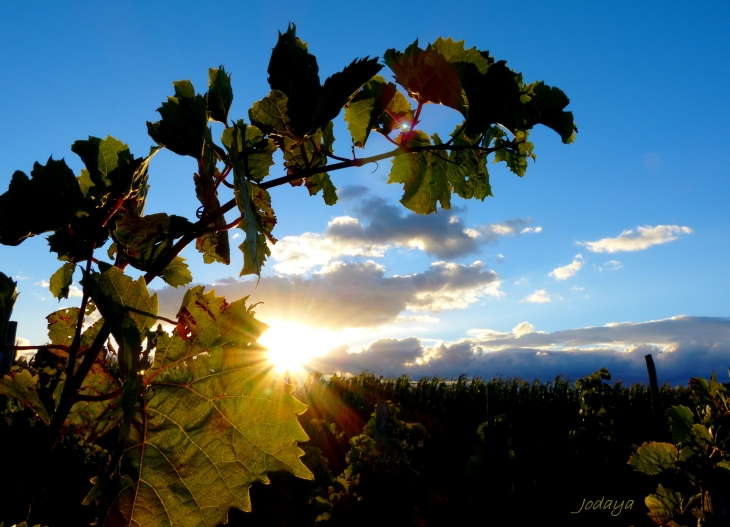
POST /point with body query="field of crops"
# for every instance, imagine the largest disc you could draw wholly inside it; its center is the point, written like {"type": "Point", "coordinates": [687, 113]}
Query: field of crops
{"type": "Point", "coordinates": [474, 452]}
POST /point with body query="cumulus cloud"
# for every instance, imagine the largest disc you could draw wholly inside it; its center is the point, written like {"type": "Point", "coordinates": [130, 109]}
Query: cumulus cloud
{"type": "Point", "coordinates": [643, 238]}
{"type": "Point", "coordinates": [682, 347]}
{"type": "Point", "coordinates": [523, 328]}
{"type": "Point", "coordinates": [540, 296]}
{"type": "Point", "coordinates": [566, 271]}
{"type": "Point", "coordinates": [355, 294]}
{"type": "Point", "coordinates": [442, 235]}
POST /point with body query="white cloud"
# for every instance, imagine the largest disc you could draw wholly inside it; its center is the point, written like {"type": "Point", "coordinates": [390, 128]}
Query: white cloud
{"type": "Point", "coordinates": [531, 230]}
{"type": "Point", "coordinates": [613, 265]}
{"type": "Point", "coordinates": [356, 294]}
{"type": "Point", "coordinates": [540, 296]}
{"type": "Point", "coordinates": [42, 283]}
{"type": "Point", "coordinates": [566, 271]}
{"type": "Point", "coordinates": [643, 238]}
{"type": "Point", "coordinates": [75, 292]}
{"type": "Point", "coordinates": [577, 289]}
{"type": "Point", "coordinates": [388, 226]}
{"type": "Point", "coordinates": [523, 328]}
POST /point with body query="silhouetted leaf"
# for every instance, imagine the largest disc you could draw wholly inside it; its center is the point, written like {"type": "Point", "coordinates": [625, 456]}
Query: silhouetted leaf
{"type": "Point", "coordinates": [341, 87]}
{"type": "Point", "coordinates": [220, 94]}
{"type": "Point", "coordinates": [46, 201]}
{"type": "Point", "coordinates": [184, 121]}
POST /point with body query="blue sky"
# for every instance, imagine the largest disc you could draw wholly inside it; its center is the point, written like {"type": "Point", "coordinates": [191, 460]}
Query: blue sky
{"type": "Point", "coordinates": [512, 297]}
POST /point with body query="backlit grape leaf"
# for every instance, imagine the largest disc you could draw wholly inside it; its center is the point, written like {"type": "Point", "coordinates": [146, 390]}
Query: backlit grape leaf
{"type": "Point", "coordinates": [324, 139]}
{"type": "Point", "coordinates": [652, 458]}
{"type": "Point", "coordinates": [23, 386]}
{"type": "Point", "coordinates": [257, 216]}
{"type": "Point", "coordinates": [143, 240]}
{"type": "Point", "coordinates": [94, 419]}
{"type": "Point", "coordinates": [270, 114]}
{"type": "Point", "coordinates": [177, 273]}
{"type": "Point", "coordinates": [665, 505]}
{"type": "Point", "coordinates": [364, 110]}
{"type": "Point", "coordinates": [515, 157]}
{"type": "Point", "coordinates": [61, 281]}
{"type": "Point", "coordinates": [127, 307]}
{"type": "Point", "coordinates": [46, 201]}
{"type": "Point", "coordinates": [253, 253]}
{"type": "Point", "coordinates": [259, 149]}
{"type": "Point", "coordinates": [184, 121]}
{"type": "Point", "coordinates": [467, 170]}
{"type": "Point", "coordinates": [213, 245]}
{"type": "Point", "coordinates": [212, 422]}
{"type": "Point", "coordinates": [424, 177]}
{"type": "Point", "coordinates": [426, 75]}
{"type": "Point", "coordinates": [220, 94]}
{"type": "Point", "coordinates": [62, 327]}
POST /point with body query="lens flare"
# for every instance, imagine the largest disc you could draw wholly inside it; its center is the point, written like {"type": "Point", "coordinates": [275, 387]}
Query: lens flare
{"type": "Point", "coordinates": [291, 346]}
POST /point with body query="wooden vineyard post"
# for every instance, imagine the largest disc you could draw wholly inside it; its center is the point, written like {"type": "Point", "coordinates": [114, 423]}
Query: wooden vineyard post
{"type": "Point", "coordinates": [654, 387]}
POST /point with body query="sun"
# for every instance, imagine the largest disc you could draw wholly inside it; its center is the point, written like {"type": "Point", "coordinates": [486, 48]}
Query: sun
{"type": "Point", "coordinates": [292, 346]}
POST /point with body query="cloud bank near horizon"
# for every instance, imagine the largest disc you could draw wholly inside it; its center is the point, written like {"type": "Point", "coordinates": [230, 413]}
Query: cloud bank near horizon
{"type": "Point", "coordinates": [682, 347]}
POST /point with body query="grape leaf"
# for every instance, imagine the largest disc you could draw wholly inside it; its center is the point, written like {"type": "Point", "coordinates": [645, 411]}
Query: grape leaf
{"type": "Point", "coordinates": [293, 71]}
{"type": "Point", "coordinates": [258, 149]}
{"type": "Point", "coordinates": [665, 505]}
{"type": "Point", "coordinates": [309, 105]}
{"type": "Point", "coordinates": [340, 88]}
{"type": "Point", "coordinates": [213, 245]}
{"type": "Point", "coordinates": [652, 458]}
{"type": "Point", "coordinates": [184, 121]}
{"type": "Point", "coordinates": [62, 327]}
{"type": "Point", "coordinates": [426, 75]}
{"type": "Point", "coordinates": [680, 421]}
{"type": "Point", "coordinates": [61, 281]}
{"type": "Point", "coordinates": [365, 108]}
{"type": "Point", "coordinates": [514, 157]}
{"type": "Point", "coordinates": [549, 103]}
{"type": "Point", "coordinates": [467, 170]}
{"type": "Point", "coordinates": [94, 419]}
{"type": "Point", "coordinates": [270, 114]}
{"type": "Point", "coordinates": [127, 307]}
{"type": "Point", "coordinates": [220, 94]}
{"type": "Point", "coordinates": [23, 386]}
{"type": "Point", "coordinates": [424, 177]}
{"type": "Point", "coordinates": [46, 201]}
{"type": "Point", "coordinates": [212, 422]}
{"type": "Point", "coordinates": [177, 273]}
{"type": "Point", "coordinates": [8, 296]}
{"type": "Point", "coordinates": [143, 240]}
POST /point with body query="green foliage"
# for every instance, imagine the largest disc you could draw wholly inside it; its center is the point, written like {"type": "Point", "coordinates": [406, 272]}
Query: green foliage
{"type": "Point", "coordinates": [8, 296]}
{"type": "Point", "coordinates": [699, 460]}
{"type": "Point", "coordinates": [192, 418]}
